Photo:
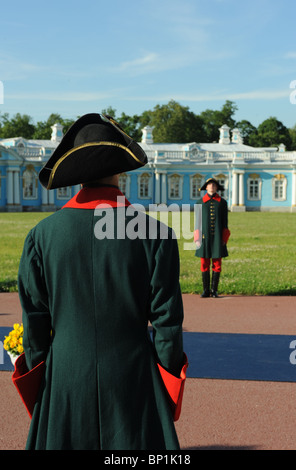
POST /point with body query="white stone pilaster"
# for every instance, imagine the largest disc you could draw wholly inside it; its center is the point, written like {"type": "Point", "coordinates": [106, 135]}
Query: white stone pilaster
{"type": "Point", "coordinates": [294, 189]}
{"type": "Point", "coordinates": [16, 187]}
{"type": "Point", "coordinates": [163, 188]}
{"type": "Point", "coordinates": [157, 188]}
{"type": "Point", "coordinates": [234, 189]}
{"type": "Point", "coordinates": [9, 186]}
{"type": "Point", "coordinates": [241, 196]}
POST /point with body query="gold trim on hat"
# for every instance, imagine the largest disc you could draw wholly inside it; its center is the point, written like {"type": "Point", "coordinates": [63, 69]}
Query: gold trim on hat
{"type": "Point", "coordinates": [88, 144]}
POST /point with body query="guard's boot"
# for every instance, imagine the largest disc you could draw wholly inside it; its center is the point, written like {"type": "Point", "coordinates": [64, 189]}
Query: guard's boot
{"type": "Point", "coordinates": [215, 283]}
{"type": "Point", "coordinates": [206, 284]}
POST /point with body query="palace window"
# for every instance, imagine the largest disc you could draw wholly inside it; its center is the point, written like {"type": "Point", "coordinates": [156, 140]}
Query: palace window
{"type": "Point", "coordinates": [64, 193]}
{"type": "Point", "coordinates": [175, 186]}
{"type": "Point", "coordinates": [124, 184]}
{"type": "Point", "coordinates": [144, 186]}
{"type": "Point", "coordinates": [222, 179]}
{"type": "Point", "coordinates": [254, 184]}
{"type": "Point", "coordinates": [279, 188]}
{"type": "Point", "coordinates": [30, 183]}
{"type": "Point", "coordinates": [196, 182]}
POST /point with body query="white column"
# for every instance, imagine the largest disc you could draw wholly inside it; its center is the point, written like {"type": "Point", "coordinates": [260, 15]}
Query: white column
{"type": "Point", "coordinates": [157, 188]}
{"type": "Point", "coordinates": [44, 196]}
{"type": "Point", "coordinates": [16, 177]}
{"type": "Point", "coordinates": [51, 196]}
{"type": "Point", "coordinates": [9, 187]}
{"type": "Point", "coordinates": [294, 188]}
{"type": "Point", "coordinates": [234, 188]}
{"type": "Point", "coordinates": [241, 197]}
{"type": "Point", "coordinates": [163, 188]}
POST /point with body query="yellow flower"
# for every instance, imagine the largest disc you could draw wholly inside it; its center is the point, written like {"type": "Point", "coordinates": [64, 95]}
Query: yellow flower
{"type": "Point", "coordinates": [14, 341]}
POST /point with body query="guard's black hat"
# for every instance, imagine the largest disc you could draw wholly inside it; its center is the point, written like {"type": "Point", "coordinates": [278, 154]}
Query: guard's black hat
{"type": "Point", "coordinates": [212, 180]}
{"type": "Point", "coordinates": [94, 147]}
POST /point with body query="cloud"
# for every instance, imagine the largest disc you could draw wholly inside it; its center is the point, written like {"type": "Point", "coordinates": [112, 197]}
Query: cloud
{"type": "Point", "coordinates": [290, 55]}
{"type": "Point", "coordinates": [80, 96]}
{"type": "Point", "coordinates": [148, 61]}
{"type": "Point", "coordinates": [219, 96]}
{"type": "Point", "coordinates": [61, 96]}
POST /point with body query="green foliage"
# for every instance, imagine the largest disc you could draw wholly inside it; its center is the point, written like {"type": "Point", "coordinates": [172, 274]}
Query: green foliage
{"type": "Point", "coordinates": [175, 123]}
{"type": "Point", "coordinates": [18, 126]}
{"type": "Point", "coordinates": [213, 120]}
{"type": "Point", "coordinates": [272, 133]}
{"type": "Point", "coordinates": [43, 129]}
{"type": "Point", "coordinates": [248, 132]}
{"type": "Point", "coordinates": [172, 122]}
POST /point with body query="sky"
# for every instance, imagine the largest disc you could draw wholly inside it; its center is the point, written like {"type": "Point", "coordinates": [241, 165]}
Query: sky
{"type": "Point", "coordinates": [73, 58]}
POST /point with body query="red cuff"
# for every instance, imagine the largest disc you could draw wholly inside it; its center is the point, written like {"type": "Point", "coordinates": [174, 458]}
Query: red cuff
{"type": "Point", "coordinates": [27, 382]}
{"type": "Point", "coordinates": [196, 235]}
{"type": "Point", "coordinates": [225, 235]}
{"type": "Point", "coordinates": [175, 387]}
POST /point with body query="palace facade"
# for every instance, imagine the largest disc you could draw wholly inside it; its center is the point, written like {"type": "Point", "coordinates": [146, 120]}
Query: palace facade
{"type": "Point", "coordinates": [254, 179]}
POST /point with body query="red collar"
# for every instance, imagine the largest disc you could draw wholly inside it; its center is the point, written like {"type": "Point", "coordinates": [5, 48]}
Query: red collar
{"type": "Point", "coordinates": [105, 196]}
{"type": "Point", "coordinates": [207, 198]}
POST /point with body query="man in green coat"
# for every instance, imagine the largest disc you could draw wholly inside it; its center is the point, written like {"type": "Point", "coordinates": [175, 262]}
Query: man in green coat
{"type": "Point", "coordinates": [214, 236]}
{"type": "Point", "coordinates": [88, 292]}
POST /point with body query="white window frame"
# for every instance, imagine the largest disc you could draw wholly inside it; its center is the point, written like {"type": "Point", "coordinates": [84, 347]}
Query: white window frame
{"type": "Point", "coordinates": [279, 180]}
{"type": "Point", "coordinates": [34, 182]}
{"type": "Point", "coordinates": [64, 193]}
{"type": "Point", "coordinates": [144, 178]}
{"type": "Point", "coordinates": [250, 180]}
{"type": "Point", "coordinates": [171, 179]}
{"type": "Point", "coordinates": [124, 184]}
{"type": "Point", "coordinates": [199, 182]}
{"type": "Point", "coordinates": [223, 180]}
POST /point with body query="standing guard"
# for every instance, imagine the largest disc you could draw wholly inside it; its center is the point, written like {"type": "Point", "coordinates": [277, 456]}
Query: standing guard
{"type": "Point", "coordinates": [214, 237]}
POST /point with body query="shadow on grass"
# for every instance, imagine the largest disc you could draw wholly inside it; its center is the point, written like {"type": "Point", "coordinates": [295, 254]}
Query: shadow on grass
{"type": "Point", "coordinates": [8, 286]}
{"type": "Point", "coordinates": [282, 292]}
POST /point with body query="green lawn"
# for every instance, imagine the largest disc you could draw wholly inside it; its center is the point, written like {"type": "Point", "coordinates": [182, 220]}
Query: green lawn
{"type": "Point", "coordinates": [261, 249]}
{"type": "Point", "coordinates": [261, 257]}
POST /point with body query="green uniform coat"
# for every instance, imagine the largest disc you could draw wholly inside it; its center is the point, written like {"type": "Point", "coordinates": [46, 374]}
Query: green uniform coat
{"type": "Point", "coordinates": [86, 306]}
{"type": "Point", "coordinates": [214, 228]}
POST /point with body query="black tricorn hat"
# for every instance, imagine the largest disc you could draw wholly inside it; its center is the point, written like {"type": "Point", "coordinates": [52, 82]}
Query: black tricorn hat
{"type": "Point", "coordinates": [212, 180]}
{"type": "Point", "coordinates": [94, 147]}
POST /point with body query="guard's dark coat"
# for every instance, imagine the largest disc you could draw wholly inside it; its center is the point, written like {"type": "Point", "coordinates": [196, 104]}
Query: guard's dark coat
{"type": "Point", "coordinates": [214, 228]}
{"type": "Point", "coordinates": [102, 388]}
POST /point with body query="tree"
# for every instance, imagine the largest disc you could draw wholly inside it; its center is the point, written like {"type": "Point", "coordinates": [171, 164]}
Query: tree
{"type": "Point", "coordinates": [292, 133]}
{"type": "Point", "coordinates": [131, 125]}
{"type": "Point", "coordinates": [248, 132]}
{"type": "Point", "coordinates": [272, 133]}
{"type": "Point", "coordinates": [18, 126]}
{"type": "Point", "coordinates": [175, 123]}
{"type": "Point", "coordinates": [43, 129]}
{"type": "Point", "coordinates": [109, 112]}
{"type": "Point", "coordinates": [213, 120]}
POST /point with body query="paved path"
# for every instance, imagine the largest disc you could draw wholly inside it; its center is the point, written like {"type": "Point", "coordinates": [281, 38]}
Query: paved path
{"type": "Point", "coordinates": [217, 414]}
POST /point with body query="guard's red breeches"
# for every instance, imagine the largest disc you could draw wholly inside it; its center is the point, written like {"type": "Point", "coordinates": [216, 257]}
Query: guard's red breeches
{"type": "Point", "coordinates": [206, 262]}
